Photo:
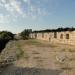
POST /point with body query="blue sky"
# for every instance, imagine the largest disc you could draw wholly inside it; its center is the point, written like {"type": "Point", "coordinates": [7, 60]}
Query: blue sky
{"type": "Point", "coordinates": [16, 15]}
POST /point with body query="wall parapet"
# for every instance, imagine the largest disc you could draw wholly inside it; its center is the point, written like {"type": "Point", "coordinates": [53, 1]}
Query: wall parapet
{"type": "Point", "coordinates": [65, 36]}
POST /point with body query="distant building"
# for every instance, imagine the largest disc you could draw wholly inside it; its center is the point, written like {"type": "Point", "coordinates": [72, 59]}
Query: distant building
{"type": "Point", "coordinates": [60, 35]}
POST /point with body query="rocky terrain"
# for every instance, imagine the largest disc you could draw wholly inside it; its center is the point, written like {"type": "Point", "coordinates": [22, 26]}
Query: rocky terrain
{"type": "Point", "coordinates": [35, 57]}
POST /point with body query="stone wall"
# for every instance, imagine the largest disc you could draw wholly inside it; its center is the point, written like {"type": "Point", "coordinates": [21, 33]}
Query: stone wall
{"type": "Point", "coordinates": [65, 37]}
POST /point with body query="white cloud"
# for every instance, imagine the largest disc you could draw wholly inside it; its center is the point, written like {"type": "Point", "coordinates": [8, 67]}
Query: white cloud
{"type": "Point", "coordinates": [1, 5]}
{"type": "Point", "coordinates": [9, 8]}
{"type": "Point", "coordinates": [3, 1]}
{"type": "Point", "coordinates": [4, 18]}
{"type": "Point", "coordinates": [25, 0]}
{"type": "Point", "coordinates": [14, 7]}
{"type": "Point", "coordinates": [35, 10]}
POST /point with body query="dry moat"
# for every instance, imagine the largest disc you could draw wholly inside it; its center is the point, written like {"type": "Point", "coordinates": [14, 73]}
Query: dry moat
{"type": "Point", "coordinates": [35, 57]}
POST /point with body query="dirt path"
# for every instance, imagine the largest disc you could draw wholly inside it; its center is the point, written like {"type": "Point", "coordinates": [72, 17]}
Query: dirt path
{"type": "Point", "coordinates": [37, 58]}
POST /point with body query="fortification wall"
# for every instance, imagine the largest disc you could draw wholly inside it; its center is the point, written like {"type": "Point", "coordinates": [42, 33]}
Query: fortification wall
{"type": "Point", "coordinates": [65, 37]}
{"type": "Point", "coordinates": [70, 39]}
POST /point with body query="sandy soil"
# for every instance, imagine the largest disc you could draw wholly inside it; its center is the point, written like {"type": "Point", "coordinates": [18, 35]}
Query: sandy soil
{"type": "Point", "coordinates": [40, 58]}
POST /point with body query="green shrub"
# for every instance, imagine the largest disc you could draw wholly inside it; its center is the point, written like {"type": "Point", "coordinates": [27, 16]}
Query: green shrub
{"type": "Point", "coordinates": [25, 34]}
{"type": "Point", "coordinates": [5, 36]}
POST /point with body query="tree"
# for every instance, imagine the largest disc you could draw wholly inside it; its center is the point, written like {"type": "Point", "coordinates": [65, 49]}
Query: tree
{"type": "Point", "coordinates": [25, 33]}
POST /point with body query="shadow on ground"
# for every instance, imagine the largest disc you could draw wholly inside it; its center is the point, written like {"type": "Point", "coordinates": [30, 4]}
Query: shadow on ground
{"type": "Point", "coordinates": [3, 44]}
{"type": "Point", "coordinates": [12, 70]}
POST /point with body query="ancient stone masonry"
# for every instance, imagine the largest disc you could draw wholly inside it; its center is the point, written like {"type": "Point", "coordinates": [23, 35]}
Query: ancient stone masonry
{"type": "Point", "coordinates": [60, 35]}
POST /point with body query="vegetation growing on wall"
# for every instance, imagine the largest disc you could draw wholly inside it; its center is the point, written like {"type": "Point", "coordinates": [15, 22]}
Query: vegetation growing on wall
{"type": "Point", "coordinates": [5, 36]}
{"type": "Point", "coordinates": [55, 30]}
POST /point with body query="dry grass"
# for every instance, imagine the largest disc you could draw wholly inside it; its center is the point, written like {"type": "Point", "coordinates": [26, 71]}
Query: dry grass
{"type": "Point", "coordinates": [40, 54]}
